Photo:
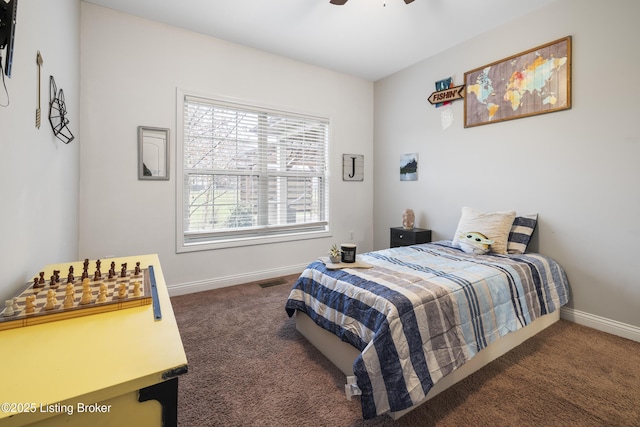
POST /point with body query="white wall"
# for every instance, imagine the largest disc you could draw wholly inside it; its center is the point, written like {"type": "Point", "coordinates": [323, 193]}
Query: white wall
{"type": "Point", "coordinates": [578, 168]}
{"type": "Point", "coordinates": [38, 173]}
{"type": "Point", "coordinates": [130, 70]}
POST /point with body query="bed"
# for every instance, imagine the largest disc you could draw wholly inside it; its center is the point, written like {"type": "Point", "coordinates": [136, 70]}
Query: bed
{"type": "Point", "coordinates": [419, 318]}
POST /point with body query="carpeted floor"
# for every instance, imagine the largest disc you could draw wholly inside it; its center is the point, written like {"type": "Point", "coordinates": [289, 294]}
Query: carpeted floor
{"type": "Point", "coordinates": [248, 366]}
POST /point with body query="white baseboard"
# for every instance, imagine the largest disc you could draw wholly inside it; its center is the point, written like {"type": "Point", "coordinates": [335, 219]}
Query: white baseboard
{"type": "Point", "coordinates": [222, 282]}
{"type": "Point", "coordinates": [601, 323]}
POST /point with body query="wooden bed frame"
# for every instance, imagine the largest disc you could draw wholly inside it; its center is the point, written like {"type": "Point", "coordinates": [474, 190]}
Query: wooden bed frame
{"type": "Point", "coordinates": [343, 354]}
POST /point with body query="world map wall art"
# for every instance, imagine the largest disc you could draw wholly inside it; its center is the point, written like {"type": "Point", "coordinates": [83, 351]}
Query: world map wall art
{"type": "Point", "coordinates": [534, 82]}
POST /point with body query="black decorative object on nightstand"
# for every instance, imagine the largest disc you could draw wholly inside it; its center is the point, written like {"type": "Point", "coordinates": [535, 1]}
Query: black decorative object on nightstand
{"type": "Point", "coordinates": [405, 237]}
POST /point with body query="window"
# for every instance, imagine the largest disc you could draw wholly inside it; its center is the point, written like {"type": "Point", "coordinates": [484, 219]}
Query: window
{"type": "Point", "coordinates": [249, 175]}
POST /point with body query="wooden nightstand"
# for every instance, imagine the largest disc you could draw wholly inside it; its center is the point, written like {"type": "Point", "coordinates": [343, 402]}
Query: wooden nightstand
{"type": "Point", "coordinates": [404, 237]}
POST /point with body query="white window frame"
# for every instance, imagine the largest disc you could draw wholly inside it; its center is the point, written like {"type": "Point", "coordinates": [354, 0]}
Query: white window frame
{"type": "Point", "coordinates": [189, 241]}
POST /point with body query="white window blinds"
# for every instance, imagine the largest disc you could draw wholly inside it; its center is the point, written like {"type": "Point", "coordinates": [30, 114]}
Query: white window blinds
{"type": "Point", "coordinates": [250, 172]}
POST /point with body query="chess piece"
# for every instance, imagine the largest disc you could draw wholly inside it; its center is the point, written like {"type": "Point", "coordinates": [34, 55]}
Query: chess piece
{"type": "Point", "coordinates": [41, 280]}
{"type": "Point", "coordinates": [112, 270]}
{"type": "Point", "coordinates": [123, 270]}
{"type": "Point", "coordinates": [86, 292]}
{"type": "Point", "coordinates": [136, 289]}
{"type": "Point", "coordinates": [15, 305]}
{"type": "Point", "coordinates": [53, 284]}
{"type": "Point", "coordinates": [8, 311]}
{"type": "Point", "coordinates": [122, 290]}
{"type": "Point", "coordinates": [85, 269]}
{"type": "Point", "coordinates": [51, 300]}
{"type": "Point", "coordinates": [98, 273]}
{"type": "Point", "coordinates": [102, 296]}
{"type": "Point", "coordinates": [69, 296]}
{"type": "Point", "coordinates": [137, 269]}
{"type": "Point", "coordinates": [30, 304]}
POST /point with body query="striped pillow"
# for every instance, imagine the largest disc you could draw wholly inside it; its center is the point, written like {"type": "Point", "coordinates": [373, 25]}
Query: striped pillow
{"type": "Point", "coordinates": [520, 234]}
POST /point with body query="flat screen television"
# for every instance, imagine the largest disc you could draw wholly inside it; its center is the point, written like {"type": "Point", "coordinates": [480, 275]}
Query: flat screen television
{"type": "Point", "coordinates": [8, 14]}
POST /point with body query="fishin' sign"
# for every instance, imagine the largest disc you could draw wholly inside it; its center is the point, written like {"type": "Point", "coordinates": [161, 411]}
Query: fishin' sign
{"type": "Point", "coordinates": [445, 93]}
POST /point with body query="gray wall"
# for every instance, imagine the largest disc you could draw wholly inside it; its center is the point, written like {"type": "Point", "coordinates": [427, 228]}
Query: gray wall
{"type": "Point", "coordinates": [578, 169]}
{"type": "Point", "coordinates": [129, 78]}
{"type": "Point", "coordinates": [38, 173]}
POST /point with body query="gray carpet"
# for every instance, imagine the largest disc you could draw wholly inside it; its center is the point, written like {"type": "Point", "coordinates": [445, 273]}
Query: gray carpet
{"type": "Point", "coordinates": [248, 366]}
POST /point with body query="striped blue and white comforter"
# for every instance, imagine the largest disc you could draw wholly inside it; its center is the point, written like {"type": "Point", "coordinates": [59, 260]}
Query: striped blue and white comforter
{"type": "Point", "coordinates": [423, 311]}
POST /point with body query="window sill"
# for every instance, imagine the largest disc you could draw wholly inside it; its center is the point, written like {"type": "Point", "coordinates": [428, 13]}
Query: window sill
{"type": "Point", "coordinates": [234, 242]}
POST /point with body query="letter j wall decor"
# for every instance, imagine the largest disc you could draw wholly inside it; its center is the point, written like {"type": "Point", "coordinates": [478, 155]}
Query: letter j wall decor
{"type": "Point", "coordinates": [352, 167]}
{"type": "Point", "coordinates": [534, 82]}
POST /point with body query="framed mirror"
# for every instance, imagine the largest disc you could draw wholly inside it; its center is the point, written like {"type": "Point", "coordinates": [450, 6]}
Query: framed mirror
{"type": "Point", "coordinates": [153, 153]}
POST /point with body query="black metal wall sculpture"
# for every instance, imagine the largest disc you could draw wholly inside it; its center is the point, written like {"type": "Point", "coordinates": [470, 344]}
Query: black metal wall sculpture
{"type": "Point", "coordinates": [58, 112]}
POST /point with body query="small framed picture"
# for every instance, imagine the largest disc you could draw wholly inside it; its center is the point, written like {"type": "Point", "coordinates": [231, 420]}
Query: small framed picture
{"type": "Point", "coordinates": [409, 167]}
{"type": "Point", "coordinates": [153, 153]}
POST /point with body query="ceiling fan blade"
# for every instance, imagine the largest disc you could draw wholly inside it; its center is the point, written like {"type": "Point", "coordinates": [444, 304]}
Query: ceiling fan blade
{"type": "Point", "coordinates": [340, 2]}
{"type": "Point", "coordinates": [407, 1]}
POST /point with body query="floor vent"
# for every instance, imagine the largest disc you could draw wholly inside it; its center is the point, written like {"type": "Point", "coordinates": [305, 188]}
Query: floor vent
{"type": "Point", "coordinates": [274, 282]}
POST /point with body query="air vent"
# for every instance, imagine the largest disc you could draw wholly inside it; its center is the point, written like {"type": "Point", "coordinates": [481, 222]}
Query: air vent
{"type": "Point", "coordinates": [274, 282]}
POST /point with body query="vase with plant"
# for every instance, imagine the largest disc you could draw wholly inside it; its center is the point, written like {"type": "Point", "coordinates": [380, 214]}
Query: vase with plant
{"type": "Point", "coordinates": [335, 254]}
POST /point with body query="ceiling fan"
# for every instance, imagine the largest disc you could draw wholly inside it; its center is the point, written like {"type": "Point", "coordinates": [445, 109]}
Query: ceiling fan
{"type": "Point", "coordinates": [341, 2]}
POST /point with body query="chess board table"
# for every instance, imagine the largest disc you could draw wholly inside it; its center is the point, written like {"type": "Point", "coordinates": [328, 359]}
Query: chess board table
{"type": "Point", "coordinates": [111, 300]}
{"type": "Point", "coordinates": [117, 367]}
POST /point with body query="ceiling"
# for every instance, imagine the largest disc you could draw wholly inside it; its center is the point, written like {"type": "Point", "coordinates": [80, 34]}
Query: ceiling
{"type": "Point", "coordinates": [364, 38]}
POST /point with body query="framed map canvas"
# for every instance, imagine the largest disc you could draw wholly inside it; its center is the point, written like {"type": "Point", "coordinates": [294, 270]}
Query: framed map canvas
{"type": "Point", "coordinates": [534, 82]}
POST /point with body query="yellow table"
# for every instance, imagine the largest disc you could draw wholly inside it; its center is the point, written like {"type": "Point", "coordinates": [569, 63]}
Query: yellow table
{"type": "Point", "coordinates": [101, 370]}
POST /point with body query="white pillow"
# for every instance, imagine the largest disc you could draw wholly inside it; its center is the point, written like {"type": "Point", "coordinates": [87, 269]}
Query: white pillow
{"type": "Point", "coordinates": [495, 225]}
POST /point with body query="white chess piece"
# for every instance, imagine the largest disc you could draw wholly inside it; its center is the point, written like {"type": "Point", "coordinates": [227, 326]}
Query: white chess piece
{"type": "Point", "coordinates": [51, 300]}
{"type": "Point", "coordinates": [136, 289]}
{"type": "Point", "coordinates": [69, 296]}
{"type": "Point", "coordinates": [8, 311]}
{"type": "Point", "coordinates": [86, 292]}
{"type": "Point", "coordinates": [30, 304]}
{"type": "Point", "coordinates": [122, 290]}
{"type": "Point", "coordinates": [102, 296]}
